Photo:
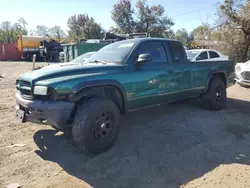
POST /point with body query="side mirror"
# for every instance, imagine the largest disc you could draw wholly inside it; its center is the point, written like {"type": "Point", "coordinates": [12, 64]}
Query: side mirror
{"type": "Point", "coordinates": [143, 58]}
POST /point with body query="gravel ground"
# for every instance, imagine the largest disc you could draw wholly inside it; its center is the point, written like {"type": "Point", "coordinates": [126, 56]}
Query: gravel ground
{"type": "Point", "coordinates": [174, 145]}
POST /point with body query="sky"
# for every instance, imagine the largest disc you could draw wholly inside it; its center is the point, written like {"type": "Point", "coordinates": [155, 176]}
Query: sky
{"type": "Point", "coordinates": [185, 13]}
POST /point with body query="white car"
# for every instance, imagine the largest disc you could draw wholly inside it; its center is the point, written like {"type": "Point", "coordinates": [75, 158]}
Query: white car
{"type": "Point", "coordinates": [83, 57]}
{"type": "Point", "coordinates": [242, 73]}
{"type": "Point", "coordinates": [80, 59]}
{"type": "Point", "coordinates": [205, 55]}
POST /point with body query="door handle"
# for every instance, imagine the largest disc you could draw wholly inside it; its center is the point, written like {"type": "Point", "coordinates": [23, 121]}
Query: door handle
{"type": "Point", "coordinates": [170, 71]}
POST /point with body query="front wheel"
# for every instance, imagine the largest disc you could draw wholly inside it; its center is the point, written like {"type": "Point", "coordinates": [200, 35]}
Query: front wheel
{"type": "Point", "coordinates": [96, 125]}
{"type": "Point", "coordinates": [216, 96]}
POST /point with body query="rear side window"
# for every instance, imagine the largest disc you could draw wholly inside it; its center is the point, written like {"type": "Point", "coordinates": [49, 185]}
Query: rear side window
{"type": "Point", "coordinates": [213, 54]}
{"type": "Point", "coordinates": [177, 51]}
{"type": "Point", "coordinates": [155, 49]}
{"type": "Point", "coordinates": [202, 56]}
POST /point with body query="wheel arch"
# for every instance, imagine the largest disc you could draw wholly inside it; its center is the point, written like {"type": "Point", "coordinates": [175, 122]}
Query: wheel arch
{"type": "Point", "coordinates": [111, 89]}
{"type": "Point", "coordinates": [221, 75]}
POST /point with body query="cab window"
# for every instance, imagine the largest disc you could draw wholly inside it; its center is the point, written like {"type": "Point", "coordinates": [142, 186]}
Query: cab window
{"type": "Point", "coordinates": [176, 51]}
{"type": "Point", "coordinates": [155, 49]}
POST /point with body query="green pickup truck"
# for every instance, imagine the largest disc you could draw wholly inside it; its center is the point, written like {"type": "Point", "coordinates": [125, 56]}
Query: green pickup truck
{"type": "Point", "coordinates": [89, 96]}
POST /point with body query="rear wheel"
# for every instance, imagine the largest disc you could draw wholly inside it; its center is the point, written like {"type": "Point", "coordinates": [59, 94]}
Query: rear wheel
{"type": "Point", "coordinates": [96, 125]}
{"type": "Point", "coordinates": [216, 96]}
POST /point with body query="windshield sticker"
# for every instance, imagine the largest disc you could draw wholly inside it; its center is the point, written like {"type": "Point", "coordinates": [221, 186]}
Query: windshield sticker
{"type": "Point", "coordinates": [126, 45]}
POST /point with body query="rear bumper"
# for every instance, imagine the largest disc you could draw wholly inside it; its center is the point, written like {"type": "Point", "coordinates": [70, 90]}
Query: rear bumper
{"type": "Point", "coordinates": [55, 113]}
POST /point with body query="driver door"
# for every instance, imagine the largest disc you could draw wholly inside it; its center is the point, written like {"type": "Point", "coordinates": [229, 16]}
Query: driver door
{"type": "Point", "coordinates": [151, 80]}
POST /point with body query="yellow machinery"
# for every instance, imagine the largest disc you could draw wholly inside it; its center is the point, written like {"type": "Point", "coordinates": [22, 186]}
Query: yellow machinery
{"type": "Point", "coordinates": [29, 45]}
{"type": "Point", "coordinates": [25, 41]}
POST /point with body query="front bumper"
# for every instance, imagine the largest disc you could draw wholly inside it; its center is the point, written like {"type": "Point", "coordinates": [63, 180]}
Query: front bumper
{"type": "Point", "coordinates": [55, 113]}
{"type": "Point", "coordinates": [243, 82]}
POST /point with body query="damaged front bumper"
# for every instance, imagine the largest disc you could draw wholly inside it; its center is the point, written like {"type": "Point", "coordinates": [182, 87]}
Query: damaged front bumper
{"type": "Point", "coordinates": [55, 113]}
{"type": "Point", "coordinates": [243, 82]}
{"type": "Point", "coordinates": [240, 76]}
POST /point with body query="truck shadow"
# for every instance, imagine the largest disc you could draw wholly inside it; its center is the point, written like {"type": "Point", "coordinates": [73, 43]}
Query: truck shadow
{"type": "Point", "coordinates": [165, 146]}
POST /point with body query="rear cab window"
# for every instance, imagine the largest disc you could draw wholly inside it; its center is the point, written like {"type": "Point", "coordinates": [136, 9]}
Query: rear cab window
{"type": "Point", "coordinates": [213, 54]}
{"type": "Point", "coordinates": [177, 51]}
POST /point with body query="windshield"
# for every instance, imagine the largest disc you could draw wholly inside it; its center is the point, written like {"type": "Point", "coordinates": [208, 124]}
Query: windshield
{"type": "Point", "coordinates": [191, 54]}
{"type": "Point", "coordinates": [113, 53]}
{"type": "Point", "coordinates": [83, 57]}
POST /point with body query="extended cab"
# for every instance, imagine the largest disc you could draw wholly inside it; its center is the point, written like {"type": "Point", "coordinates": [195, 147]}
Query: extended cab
{"type": "Point", "coordinates": [89, 96]}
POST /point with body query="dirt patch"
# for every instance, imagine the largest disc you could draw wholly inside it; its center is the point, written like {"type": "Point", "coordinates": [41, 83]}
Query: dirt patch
{"type": "Point", "coordinates": [175, 145]}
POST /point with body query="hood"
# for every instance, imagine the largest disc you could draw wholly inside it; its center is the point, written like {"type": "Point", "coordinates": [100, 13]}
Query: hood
{"type": "Point", "coordinates": [69, 70]}
{"type": "Point", "coordinates": [58, 65]}
{"type": "Point", "coordinates": [242, 66]}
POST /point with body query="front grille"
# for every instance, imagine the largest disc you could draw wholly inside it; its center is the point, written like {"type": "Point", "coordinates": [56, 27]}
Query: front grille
{"type": "Point", "coordinates": [25, 83]}
{"type": "Point", "coordinates": [25, 88]}
{"type": "Point", "coordinates": [246, 75]}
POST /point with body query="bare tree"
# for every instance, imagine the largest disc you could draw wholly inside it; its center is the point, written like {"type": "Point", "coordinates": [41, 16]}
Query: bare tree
{"type": "Point", "coordinates": [57, 32]}
{"type": "Point", "coordinates": [234, 27]}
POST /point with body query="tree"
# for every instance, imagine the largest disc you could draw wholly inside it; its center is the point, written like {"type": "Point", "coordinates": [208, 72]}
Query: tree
{"type": "Point", "coordinates": [20, 27]}
{"type": "Point", "coordinates": [9, 32]}
{"type": "Point", "coordinates": [42, 30]}
{"type": "Point", "coordinates": [202, 36]}
{"type": "Point", "coordinates": [6, 32]}
{"type": "Point", "coordinates": [202, 33]}
{"type": "Point", "coordinates": [122, 14]}
{"type": "Point", "coordinates": [170, 34]}
{"type": "Point", "coordinates": [235, 27]}
{"type": "Point", "coordinates": [115, 30]}
{"type": "Point", "coordinates": [57, 32]}
{"type": "Point", "coordinates": [150, 19]}
{"type": "Point", "coordinates": [182, 35]}
{"type": "Point", "coordinates": [32, 32]}
{"type": "Point", "coordinates": [22, 23]}
{"type": "Point", "coordinates": [191, 36]}
{"type": "Point", "coordinates": [85, 27]}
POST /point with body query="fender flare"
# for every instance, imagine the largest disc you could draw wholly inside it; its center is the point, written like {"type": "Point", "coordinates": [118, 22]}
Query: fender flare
{"type": "Point", "coordinates": [75, 93]}
{"type": "Point", "coordinates": [216, 73]}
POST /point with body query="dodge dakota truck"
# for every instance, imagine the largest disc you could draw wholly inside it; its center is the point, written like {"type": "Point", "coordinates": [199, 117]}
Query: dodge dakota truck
{"type": "Point", "coordinates": [123, 76]}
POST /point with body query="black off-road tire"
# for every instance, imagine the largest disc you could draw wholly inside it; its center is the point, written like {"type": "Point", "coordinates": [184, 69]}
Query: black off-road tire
{"type": "Point", "coordinates": [85, 129]}
{"type": "Point", "coordinates": [216, 96]}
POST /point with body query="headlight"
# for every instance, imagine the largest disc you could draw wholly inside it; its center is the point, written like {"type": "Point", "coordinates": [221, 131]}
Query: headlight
{"type": "Point", "coordinates": [40, 90]}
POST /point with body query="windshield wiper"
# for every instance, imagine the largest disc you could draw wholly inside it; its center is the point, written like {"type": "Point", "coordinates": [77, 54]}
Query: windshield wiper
{"type": "Point", "coordinates": [98, 61]}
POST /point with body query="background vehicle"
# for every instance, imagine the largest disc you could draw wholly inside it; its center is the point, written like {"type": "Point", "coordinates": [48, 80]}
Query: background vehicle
{"type": "Point", "coordinates": [29, 45]}
{"type": "Point", "coordinates": [80, 59]}
{"type": "Point", "coordinates": [205, 55]}
{"type": "Point", "coordinates": [242, 73]}
{"type": "Point", "coordinates": [43, 47]}
{"type": "Point", "coordinates": [50, 51]}
{"type": "Point", "coordinates": [83, 57]}
{"type": "Point", "coordinates": [120, 77]}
